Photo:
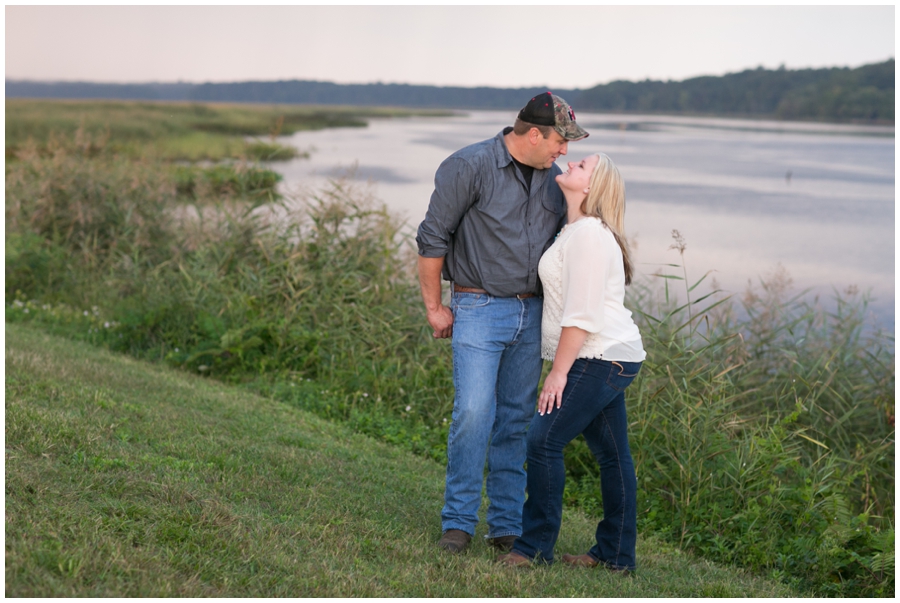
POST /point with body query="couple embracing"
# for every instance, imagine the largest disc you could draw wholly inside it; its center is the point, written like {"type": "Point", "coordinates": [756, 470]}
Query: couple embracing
{"type": "Point", "coordinates": [537, 263]}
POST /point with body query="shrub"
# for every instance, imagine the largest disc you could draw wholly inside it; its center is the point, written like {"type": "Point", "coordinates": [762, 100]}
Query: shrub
{"type": "Point", "coordinates": [271, 151]}
{"type": "Point", "coordinates": [70, 213]}
{"type": "Point", "coordinates": [227, 180]}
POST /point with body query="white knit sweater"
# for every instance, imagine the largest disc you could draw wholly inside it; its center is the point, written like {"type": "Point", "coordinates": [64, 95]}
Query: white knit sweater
{"type": "Point", "coordinates": [584, 286]}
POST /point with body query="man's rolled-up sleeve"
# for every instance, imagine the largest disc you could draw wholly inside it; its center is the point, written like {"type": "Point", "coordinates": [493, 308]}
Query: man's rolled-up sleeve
{"type": "Point", "coordinates": [454, 193]}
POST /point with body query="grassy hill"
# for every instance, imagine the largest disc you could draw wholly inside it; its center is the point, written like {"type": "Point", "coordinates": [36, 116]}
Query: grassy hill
{"type": "Point", "coordinates": [131, 479]}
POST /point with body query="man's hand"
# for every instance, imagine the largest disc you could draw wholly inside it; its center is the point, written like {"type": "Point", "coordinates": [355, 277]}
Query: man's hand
{"type": "Point", "coordinates": [439, 316]}
{"type": "Point", "coordinates": [441, 320]}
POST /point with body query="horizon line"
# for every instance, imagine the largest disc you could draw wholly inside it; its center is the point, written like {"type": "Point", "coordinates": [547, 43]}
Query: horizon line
{"type": "Point", "coordinates": [382, 83]}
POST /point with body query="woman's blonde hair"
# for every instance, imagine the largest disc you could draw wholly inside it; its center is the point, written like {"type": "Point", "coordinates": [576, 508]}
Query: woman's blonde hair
{"type": "Point", "coordinates": [606, 200]}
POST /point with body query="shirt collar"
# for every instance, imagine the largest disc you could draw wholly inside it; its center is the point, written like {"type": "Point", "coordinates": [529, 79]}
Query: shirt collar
{"type": "Point", "coordinates": [504, 158]}
{"type": "Point", "coordinates": [502, 153]}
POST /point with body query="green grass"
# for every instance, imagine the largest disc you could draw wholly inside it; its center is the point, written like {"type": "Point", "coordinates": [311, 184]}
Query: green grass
{"type": "Point", "coordinates": [125, 479]}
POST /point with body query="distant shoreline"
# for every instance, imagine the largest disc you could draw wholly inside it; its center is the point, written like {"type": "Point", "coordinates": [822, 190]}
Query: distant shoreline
{"type": "Point", "coordinates": [864, 95]}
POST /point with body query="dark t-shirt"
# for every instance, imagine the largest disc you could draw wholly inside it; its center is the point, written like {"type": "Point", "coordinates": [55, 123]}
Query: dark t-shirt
{"type": "Point", "coordinates": [526, 171]}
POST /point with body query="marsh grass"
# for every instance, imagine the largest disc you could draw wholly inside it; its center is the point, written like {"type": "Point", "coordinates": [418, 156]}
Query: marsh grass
{"type": "Point", "coordinates": [762, 437]}
{"type": "Point", "coordinates": [272, 151]}
{"type": "Point", "coordinates": [227, 180]}
{"type": "Point", "coordinates": [177, 130]}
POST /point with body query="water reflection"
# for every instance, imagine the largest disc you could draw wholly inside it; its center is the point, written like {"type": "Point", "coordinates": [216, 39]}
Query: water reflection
{"type": "Point", "coordinates": [747, 196]}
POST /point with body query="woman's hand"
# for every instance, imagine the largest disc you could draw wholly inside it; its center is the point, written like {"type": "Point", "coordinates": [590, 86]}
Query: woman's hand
{"type": "Point", "coordinates": [570, 342]}
{"type": "Point", "coordinates": [552, 392]}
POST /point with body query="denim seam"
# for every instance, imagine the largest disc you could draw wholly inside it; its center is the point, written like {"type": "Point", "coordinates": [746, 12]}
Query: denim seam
{"type": "Point", "coordinates": [450, 433]}
{"type": "Point", "coordinates": [548, 502]}
{"type": "Point", "coordinates": [547, 526]}
{"type": "Point", "coordinates": [523, 310]}
{"type": "Point", "coordinates": [622, 482]}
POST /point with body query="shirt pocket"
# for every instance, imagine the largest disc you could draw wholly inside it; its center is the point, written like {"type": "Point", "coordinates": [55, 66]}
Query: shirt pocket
{"type": "Point", "coordinates": [555, 204]}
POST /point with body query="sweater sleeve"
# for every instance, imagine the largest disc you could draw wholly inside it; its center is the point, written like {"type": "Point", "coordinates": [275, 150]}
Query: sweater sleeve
{"type": "Point", "coordinates": [585, 270]}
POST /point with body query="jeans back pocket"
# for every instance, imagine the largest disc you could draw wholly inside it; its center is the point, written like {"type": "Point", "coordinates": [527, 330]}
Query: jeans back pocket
{"type": "Point", "coordinates": [621, 374]}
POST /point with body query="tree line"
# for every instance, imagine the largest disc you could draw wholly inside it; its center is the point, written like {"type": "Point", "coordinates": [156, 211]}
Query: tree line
{"type": "Point", "coordinates": [865, 93]}
{"type": "Point", "coordinates": [832, 94]}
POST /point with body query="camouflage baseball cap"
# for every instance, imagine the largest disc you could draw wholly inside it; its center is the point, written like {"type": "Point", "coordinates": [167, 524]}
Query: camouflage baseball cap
{"type": "Point", "coordinates": [547, 109]}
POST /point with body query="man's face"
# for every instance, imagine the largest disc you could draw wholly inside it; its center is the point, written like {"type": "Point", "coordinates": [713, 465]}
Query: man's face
{"type": "Point", "coordinates": [547, 150]}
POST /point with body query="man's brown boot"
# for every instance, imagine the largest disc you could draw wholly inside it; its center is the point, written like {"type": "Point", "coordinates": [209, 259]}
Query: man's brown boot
{"type": "Point", "coordinates": [502, 543]}
{"type": "Point", "coordinates": [454, 541]}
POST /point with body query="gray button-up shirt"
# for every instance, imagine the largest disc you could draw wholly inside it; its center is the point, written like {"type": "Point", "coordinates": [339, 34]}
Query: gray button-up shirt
{"type": "Point", "coordinates": [485, 224]}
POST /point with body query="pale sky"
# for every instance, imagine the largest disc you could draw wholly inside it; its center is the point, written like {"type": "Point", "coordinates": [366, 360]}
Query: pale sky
{"type": "Point", "coordinates": [502, 46]}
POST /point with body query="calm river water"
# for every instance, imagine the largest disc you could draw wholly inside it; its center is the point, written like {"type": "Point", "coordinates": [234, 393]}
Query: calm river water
{"type": "Point", "coordinates": [747, 196]}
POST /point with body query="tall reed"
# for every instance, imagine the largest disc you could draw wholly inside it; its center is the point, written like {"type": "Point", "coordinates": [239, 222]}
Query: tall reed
{"type": "Point", "coordinates": [763, 437]}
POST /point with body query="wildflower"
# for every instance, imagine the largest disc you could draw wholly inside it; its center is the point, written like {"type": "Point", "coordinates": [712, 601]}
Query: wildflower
{"type": "Point", "coordinates": [408, 408]}
{"type": "Point", "coordinates": [176, 349]}
{"type": "Point", "coordinates": [106, 325]}
{"type": "Point", "coordinates": [18, 304]}
{"type": "Point", "coordinates": [365, 395]}
{"type": "Point", "coordinates": [85, 312]}
{"type": "Point", "coordinates": [679, 244]}
{"type": "Point", "coordinates": [25, 310]}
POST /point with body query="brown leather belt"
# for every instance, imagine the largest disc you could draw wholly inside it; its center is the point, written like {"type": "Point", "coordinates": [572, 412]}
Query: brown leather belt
{"type": "Point", "coordinates": [474, 290]}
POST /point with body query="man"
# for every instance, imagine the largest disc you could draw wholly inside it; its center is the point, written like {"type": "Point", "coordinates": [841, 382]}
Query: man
{"type": "Point", "coordinates": [495, 209]}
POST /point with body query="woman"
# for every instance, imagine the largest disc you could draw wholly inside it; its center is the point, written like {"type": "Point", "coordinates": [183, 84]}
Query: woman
{"type": "Point", "coordinates": [596, 352]}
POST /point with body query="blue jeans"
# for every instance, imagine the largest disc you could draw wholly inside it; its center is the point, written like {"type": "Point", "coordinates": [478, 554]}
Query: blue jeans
{"type": "Point", "coordinates": [594, 405]}
{"type": "Point", "coordinates": [496, 369]}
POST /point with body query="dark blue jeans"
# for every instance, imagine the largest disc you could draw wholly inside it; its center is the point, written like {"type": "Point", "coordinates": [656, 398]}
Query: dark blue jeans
{"type": "Point", "coordinates": [594, 405]}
